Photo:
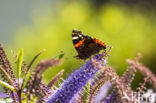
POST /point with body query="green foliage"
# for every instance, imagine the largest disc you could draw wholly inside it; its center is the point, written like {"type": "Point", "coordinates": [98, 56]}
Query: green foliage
{"type": "Point", "coordinates": [59, 55]}
{"type": "Point", "coordinates": [7, 85]}
{"type": "Point", "coordinates": [19, 63]}
{"type": "Point", "coordinates": [31, 81]}
{"type": "Point", "coordinates": [26, 80]}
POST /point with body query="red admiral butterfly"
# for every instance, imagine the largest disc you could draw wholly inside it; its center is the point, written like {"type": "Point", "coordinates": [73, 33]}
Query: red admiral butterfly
{"type": "Point", "coordinates": [86, 45]}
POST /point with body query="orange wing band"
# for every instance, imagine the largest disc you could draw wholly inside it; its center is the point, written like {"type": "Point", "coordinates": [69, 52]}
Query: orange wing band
{"type": "Point", "coordinates": [79, 43]}
{"type": "Point", "coordinates": [99, 42]}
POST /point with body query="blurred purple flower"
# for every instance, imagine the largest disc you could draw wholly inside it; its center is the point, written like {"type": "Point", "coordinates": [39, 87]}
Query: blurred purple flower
{"type": "Point", "coordinates": [77, 80]}
{"type": "Point", "coordinates": [102, 93]}
{"type": "Point", "coordinates": [3, 95]}
{"type": "Point", "coordinates": [112, 98]}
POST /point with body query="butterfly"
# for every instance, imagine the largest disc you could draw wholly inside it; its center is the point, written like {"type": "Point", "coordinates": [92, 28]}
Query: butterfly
{"type": "Point", "coordinates": [85, 45]}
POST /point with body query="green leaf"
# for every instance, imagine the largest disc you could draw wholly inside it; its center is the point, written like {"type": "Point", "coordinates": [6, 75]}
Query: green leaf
{"type": "Point", "coordinates": [59, 55]}
{"type": "Point", "coordinates": [19, 62]}
{"type": "Point", "coordinates": [36, 56]}
{"type": "Point", "coordinates": [26, 76]}
{"type": "Point", "coordinates": [26, 80]}
{"type": "Point", "coordinates": [8, 76]}
{"type": "Point", "coordinates": [7, 85]}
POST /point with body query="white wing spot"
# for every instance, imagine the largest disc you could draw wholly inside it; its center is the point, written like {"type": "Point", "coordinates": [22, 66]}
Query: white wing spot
{"type": "Point", "coordinates": [75, 37]}
{"type": "Point", "coordinates": [80, 36]}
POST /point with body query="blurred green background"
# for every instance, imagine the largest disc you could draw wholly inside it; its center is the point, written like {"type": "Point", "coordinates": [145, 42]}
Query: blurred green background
{"type": "Point", "coordinates": [127, 25]}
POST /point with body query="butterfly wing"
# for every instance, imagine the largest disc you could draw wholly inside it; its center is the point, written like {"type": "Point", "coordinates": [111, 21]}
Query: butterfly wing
{"type": "Point", "coordinates": [85, 45]}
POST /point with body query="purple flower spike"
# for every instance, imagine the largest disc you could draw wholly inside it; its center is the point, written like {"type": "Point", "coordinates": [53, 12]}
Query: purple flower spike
{"type": "Point", "coordinates": [77, 80]}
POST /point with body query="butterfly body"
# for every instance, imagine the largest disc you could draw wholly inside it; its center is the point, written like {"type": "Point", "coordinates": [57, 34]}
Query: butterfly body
{"type": "Point", "coordinates": [86, 45]}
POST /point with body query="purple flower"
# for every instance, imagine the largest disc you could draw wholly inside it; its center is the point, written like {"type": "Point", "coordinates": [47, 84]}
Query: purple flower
{"type": "Point", "coordinates": [112, 98]}
{"type": "Point", "coordinates": [3, 95]}
{"type": "Point", "coordinates": [102, 93]}
{"type": "Point", "coordinates": [77, 80]}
